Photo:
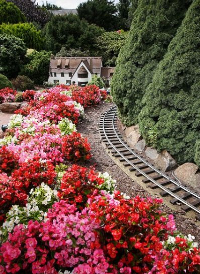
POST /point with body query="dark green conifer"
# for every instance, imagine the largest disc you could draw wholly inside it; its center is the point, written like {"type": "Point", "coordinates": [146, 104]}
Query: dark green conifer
{"type": "Point", "coordinates": [170, 118]}
{"type": "Point", "coordinates": [154, 25]}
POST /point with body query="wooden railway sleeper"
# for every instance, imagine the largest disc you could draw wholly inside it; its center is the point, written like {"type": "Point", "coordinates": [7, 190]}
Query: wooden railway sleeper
{"type": "Point", "coordinates": [184, 197]}
{"type": "Point", "coordinates": [174, 190]}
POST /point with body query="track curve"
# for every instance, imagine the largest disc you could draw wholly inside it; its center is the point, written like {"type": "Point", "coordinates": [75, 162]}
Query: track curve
{"type": "Point", "coordinates": [110, 135]}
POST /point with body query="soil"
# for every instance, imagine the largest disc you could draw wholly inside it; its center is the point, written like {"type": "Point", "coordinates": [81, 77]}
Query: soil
{"type": "Point", "coordinates": [89, 128]}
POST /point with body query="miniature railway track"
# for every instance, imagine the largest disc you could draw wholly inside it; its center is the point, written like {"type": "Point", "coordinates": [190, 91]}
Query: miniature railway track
{"type": "Point", "coordinates": [179, 194]}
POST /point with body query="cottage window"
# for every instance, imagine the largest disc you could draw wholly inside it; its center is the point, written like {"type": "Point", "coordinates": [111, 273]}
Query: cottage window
{"type": "Point", "coordinates": [70, 74]}
{"type": "Point", "coordinates": [54, 74]}
{"type": "Point", "coordinates": [51, 74]}
{"type": "Point", "coordinates": [82, 84]}
{"type": "Point", "coordinates": [56, 81]}
{"type": "Point", "coordinates": [62, 74]}
{"type": "Point", "coordinates": [111, 74]}
{"type": "Point", "coordinates": [85, 75]}
{"type": "Point", "coordinates": [68, 82]}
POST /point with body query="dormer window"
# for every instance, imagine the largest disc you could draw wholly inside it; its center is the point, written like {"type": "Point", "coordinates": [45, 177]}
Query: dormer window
{"type": "Point", "coordinates": [58, 63]}
{"type": "Point", "coordinates": [67, 63]}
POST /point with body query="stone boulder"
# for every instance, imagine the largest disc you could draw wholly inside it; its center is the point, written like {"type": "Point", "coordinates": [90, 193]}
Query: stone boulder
{"type": "Point", "coordinates": [132, 135]}
{"type": "Point", "coordinates": [140, 145]}
{"type": "Point", "coordinates": [151, 153]}
{"type": "Point", "coordinates": [9, 107]}
{"type": "Point", "coordinates": [187, 173]}
{"type": "Point", "coordinates": [165, 162]}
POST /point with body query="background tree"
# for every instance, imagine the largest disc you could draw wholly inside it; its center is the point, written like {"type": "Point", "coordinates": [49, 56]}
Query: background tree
{"type": "Point", "coordinates": [109, 44]}
{"type": "Point", "coordinates": [70, 31]}
{"type": "Point", "coordinates": [172, 100]}
{"type": "Point", "coordinates": [123, 12]}
{"type": "Point", "coordinates": [8, 9]}
{"type": "Point", "coordinates": [72, 52]}
{"type": "Point", "coordinates": [50, 6]}
{"type": "Point", "coordinates": [32, 11]}
{"type": "Point", "coordinates": [12, 54]}
{"type": "Point", "coordinates": [37, 67]}
{"type": "Point", "coordinates": [27, 32]}
{"type": "Point", "coordinates": [102, 13]}
{"type": "Point", "coordinates": [153, 26]}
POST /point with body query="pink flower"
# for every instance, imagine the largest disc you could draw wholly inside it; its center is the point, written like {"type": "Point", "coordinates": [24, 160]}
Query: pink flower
{"type": "Point", "coordinates": [31, 242]}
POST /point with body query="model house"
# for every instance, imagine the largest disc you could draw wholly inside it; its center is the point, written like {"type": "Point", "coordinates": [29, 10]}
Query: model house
{"type": "Point", "coordinates": [77, 70]}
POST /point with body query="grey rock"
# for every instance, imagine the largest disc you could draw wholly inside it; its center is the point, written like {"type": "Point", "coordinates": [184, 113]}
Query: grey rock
{"type": "Point", "coordinates": [151, 153]}
{"type": "Point", "coordinates": [165, 162]}
{"type": "Point", "coordinates": [188, 174]}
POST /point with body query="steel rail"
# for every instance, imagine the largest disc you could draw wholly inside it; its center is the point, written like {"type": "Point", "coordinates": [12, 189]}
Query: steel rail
{"type": "Point", "coordinates": [112, 114]}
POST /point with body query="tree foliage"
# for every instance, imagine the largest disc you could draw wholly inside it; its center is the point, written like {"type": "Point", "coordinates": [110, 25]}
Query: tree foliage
{"type": "Point", "coordinates": [49, 6]}
{"type": "Point", "coordinates": [32, 11]}
{"type": "Point", "coordinates": [70, 31]}
{"type": "Point", "coordinates": [37, 67]}
{"type": "Point", "coordinates": [27, 32]}
{"type": "Point", "coordinates": [172, 100]}
{"type": "Point", "coordinates": [102, 13]}
{"type": "Point", "coordinates": [8, 9]}
{"type": "Point", "coordinates": [12, 54]}
{"type": "Point", "coordinates": [123, 13]}
{"type": "Point", "coordinates": [154, 25]}
{"type": "Point", "coordinates": [72, 52]}
{"type": "Point", "coordinates": [109, 44]}
{"type": "Point", "coordinates": [4, 82]}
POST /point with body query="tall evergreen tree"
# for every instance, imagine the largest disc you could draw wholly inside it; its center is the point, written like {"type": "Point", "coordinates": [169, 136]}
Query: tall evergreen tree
{"type": "Point", "coordinates": [170, 118]}
{"type": "Point", "coordinates": [153, 26]}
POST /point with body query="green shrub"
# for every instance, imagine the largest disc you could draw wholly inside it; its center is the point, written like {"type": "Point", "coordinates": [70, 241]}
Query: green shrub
{"type": "Point", "coordinates": [12, 55]}
{"type": "Point", "coordinates": [154, 25]}
{"type": "Point", "coordinates": [37, 67]}
{"type": "Point", "coordinates": [98, 81]}
{"type": "Point", "coordinates": [9, 13]}
{"type": "Point", "coordinates": [19, 97]}
{"type": "Point", "coordinates": [4, 82]}
{"type": "Point", "coordinates": [172, 100]}
{"type": "Point", "coordinates": [22, 83]}
{"type": "Point", "coordinates": [25, 31]}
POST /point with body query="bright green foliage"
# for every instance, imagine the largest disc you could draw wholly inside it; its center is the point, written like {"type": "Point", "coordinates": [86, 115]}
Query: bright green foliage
{"type": "Point", "coordinates": [109, 44]}
{"type": "Point", "coordinates": [9, 13]}
{"type": "Point", "coordinates": [102, 13]}
{"type": "Point", "coordinates": [37, 68]}
{"type": "Point", "coordinates": [70, 31]}
{"type": "Point", "coordinates": [98, 81]}
{"type": "Point", "coordinates": [172, 100]}
{"type": "Point", "coordinates": [27, 32]}
{"type": "Point", "coordinates": [4, 82]}
{"type": "Point", "coordinates": [153, 26]}
{"type": "Point", "coordinates": [12, 54]}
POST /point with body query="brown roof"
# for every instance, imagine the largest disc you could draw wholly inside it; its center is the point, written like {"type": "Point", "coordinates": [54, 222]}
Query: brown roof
{"type": "Point", "coordinates": [107, 72]}
{"type": "Point", "coordinates": [70, 64]}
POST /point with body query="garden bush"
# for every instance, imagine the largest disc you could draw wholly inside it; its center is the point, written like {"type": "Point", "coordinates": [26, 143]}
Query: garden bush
{"type": "Point", "coordinates": [22, 83]}
{"type": "Point", "coordinates": [172, 101]}
{"type": "Point", "coordinates": [25, 31]}
{"type": "Point", "coordinates": [12, 51]}
{"type": "Point", "coordinates": [154, 25]}
{"type": "Point", "coordinates": [4, 82]}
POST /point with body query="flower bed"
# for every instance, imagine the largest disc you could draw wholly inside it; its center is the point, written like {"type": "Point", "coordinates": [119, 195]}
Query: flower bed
{"type": "Point", "coordinates": [60, 217]}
